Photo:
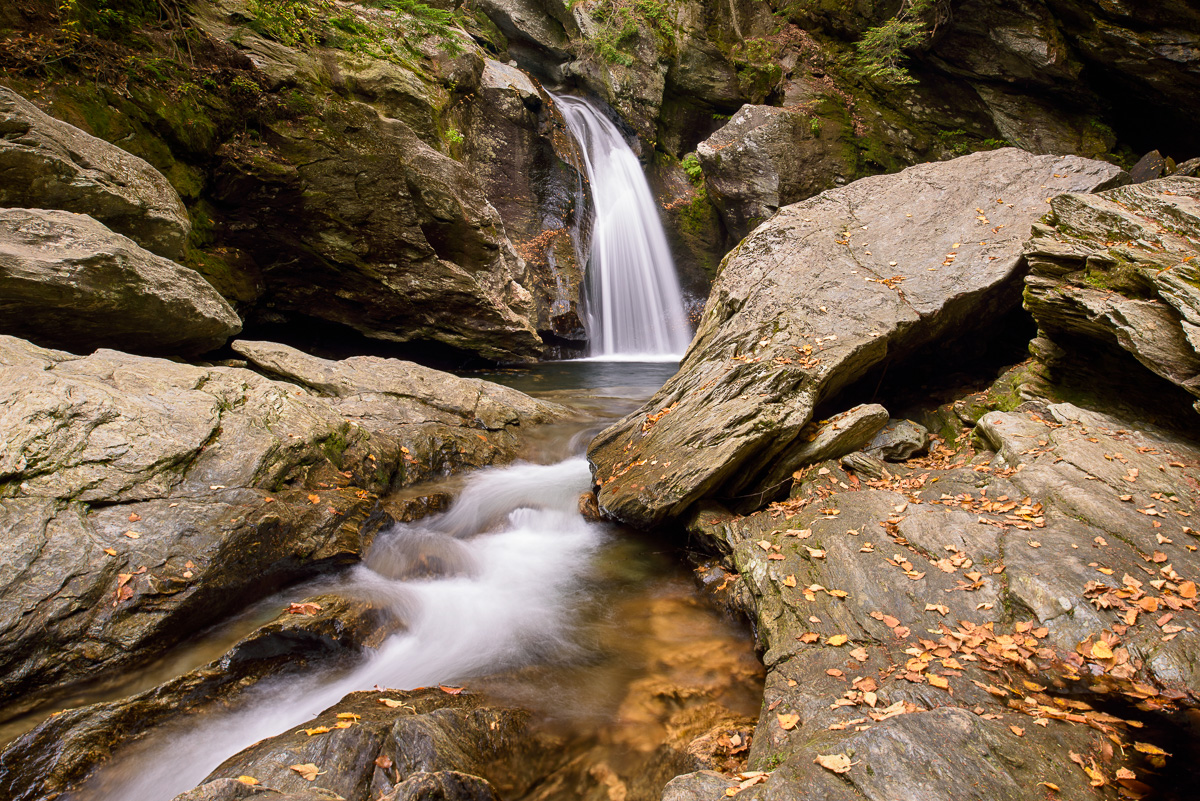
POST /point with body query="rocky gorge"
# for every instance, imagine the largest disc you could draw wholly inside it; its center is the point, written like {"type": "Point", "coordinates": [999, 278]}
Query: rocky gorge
{"type": "Point", "coordinates": [933, 442]}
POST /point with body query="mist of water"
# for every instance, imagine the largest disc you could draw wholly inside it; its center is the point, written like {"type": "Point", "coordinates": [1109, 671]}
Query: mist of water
{"type": "Point", "coordinates": [634, 303]}
{"type": "Point", "coordinates": [488, 586]}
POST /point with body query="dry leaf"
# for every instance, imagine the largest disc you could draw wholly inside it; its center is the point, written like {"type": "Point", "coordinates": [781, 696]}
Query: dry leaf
{"type": "Point", "coordinates": [133, 535]}
{"type": "Point", "coordinates": [317, 730]}
{"type": "Point", "coordinates": [837, 639]}
{"type": "Point", "coordinates": [348, 716]}
{"type": "Point", "coordinates": [1100, 650]}
{"type": "Point", "coordinates": [110, 552]}
{"type": "Point", "coordinates": [250, 780]}
{"type": "Point", "coordinates": [314, 499]}
{"type": "Point", "coordinates": [788, 722]}
{"type": "Point", "coordinates": [392, 703]}
{"type": "Point", "coordinates": [939, 681]}
{"type": "Point", "coordinates": [1017, 730]}
{"type": "Point", "coordinates": [838, 763]}
{"type": "Point", "coordinates": [1147, 748]}
{"type": "Point", "coordinates": [789, 581]}
{"type": "Point", "coordinates": [384, 762]}
{"type": "Point", "coordinates": [308, 771]}
{"type": "Point", "coordinates": [815, 553]}
{"type": "Point", "coordinates": [303, 609]}
{"type": "Point", "coordinates": [134, 517]}
{"type": "Point", "coordinates": [451, 690]}
{"type": "Point", "coordinates": [1051, 787]}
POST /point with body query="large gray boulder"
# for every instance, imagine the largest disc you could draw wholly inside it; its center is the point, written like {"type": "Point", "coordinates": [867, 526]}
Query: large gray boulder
{"type": "Point", "coordinates": [68, 281]}
{"type": "Point", "coordinates": [142, 499]}
{"type": "Point", "coordinates": [1118, 269]}
{"type": "Point", "coordinates": [48, 164]}
{"type": "Point", "coordinates": [812, 300]}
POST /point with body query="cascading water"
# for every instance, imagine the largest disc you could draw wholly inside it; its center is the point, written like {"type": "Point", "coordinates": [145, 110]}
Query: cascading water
{"type": "Point", "coordinates": [507, 560]}
{"type": "Point", "coordinates": [634, 304]}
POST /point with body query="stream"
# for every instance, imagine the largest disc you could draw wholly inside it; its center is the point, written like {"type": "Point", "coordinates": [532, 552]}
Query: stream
{"type": "Point", "coordinates": [598, 630]}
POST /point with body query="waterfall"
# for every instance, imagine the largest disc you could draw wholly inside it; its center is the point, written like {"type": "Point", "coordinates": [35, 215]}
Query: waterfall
{"type": "Point", "coordinates": [634, 305]}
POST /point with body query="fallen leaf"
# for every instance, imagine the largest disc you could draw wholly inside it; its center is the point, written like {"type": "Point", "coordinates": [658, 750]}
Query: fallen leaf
{"type": "Point", "coordinates": [110, 552]}
{"type": "Point", "coordinates": [1148, 748]}
{"type": "Point", "coordinates": [250, 780]}
{"type": "Point", "coordinates": [789, 581]}
{"type": "Point", "coordinates": [1017, 730]}
{"type": "Point", "coordinates": [133, 535]}
{"type": "Point", "coordinates": [384, 762]}
{"type": "Point", "coordinates": [348, 716]}
{"type": "Point", "coordinates": [815, 553]}
{"type": "Point", "coordinates": [1100, 650]}
{"type": "Point", "coordinates": [787, 722]}
{"type": "Point", "coordinates": [392, 703]}
{"type": "Point", "coordinates": [303, 608]}
{"type": "Point", "coordinates": [451, 690]}
{"type": "Point", "coordinates": [314, 499]}
{"type": "Point", "coordinates": [1051, 787]}
{"type": "Point", "coordinates": [837, 640]}
{"type": "Point", "coordinates": [838, 763]}
{"type": "Point", "coordinates": [939, 681]}
{"type": "Point", "coordinates": [317, 730]}
{"type": "Point", "coordinates": [308, 771]}
{"type": "Point", "coordinates": [134, 517]}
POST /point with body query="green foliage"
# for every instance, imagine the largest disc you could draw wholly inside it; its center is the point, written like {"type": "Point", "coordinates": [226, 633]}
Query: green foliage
{"type": "Point", "coordinates": [454, 137]}
{"type": "Point", "coordinates": [883, 49]}
{"type": "Point", "coordinates": [691, 165]}
{"type": "Point", "coordinates": [620, 24]}
{"type": "Point", "coordinates": [309, 23]}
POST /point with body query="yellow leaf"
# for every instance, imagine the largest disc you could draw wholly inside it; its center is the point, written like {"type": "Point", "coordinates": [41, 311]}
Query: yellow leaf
{"type": "Point", "coordinates": [837, 639]}
{"type": "Point", "coordinates": [1100, 650]}
{"type": "Point", "coordinates": [110, 552]}
{"type": "Point", "coordinates": [316, 730]}
{"type": "Point", "coordinates": [308, 771]}
{"type": "Point", "coordinates": [789, 581]}
{"type": "Point", "coordinates": [1147, 748]}
{"type": "Point", "coordinates": [348, 716]}
{"type": "Point", "coordinates": [1051, 787]}
{"type": "Point", "coordinates": [939, 681]}
{"type": "Point", "coordinates": [250, 780]}
{"type": "Point", "coordinates": [391, 703]}
{"type": "Point", "coordinates": [838, 763]}
{"type": "Point", "coordinates": [133, 535]}
{"type": "Point", "coordinates": [788, 722]}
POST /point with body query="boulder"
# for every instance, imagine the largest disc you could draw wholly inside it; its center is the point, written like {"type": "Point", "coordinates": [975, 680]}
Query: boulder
{"type": "Point", "coordinates": [899, 440]}
{"type": "Point", "coordinates": [961, 628]}
{"type": "Point", "coordinates": [813, 299]}
{"type": "Point", "coordinates": [48, 164]}
{"type": "Point", "coordinates": [142, 500]}
{"type": "Point", "coordinates": [766, 157]}
{"type": "Point", "coordinates": [1117, 270]}
{"type": "Point", "coordinates": [68, 281]}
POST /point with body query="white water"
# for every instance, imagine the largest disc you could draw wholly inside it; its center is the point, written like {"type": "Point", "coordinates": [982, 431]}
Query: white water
{"type": "Point", "coordinates": [634, 305]}
{"type": "Point", "coordinates": [506, 562]}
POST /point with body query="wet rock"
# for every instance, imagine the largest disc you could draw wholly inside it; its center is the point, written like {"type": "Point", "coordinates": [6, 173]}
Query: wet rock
{"type": "Point", "coordinates": [48, 164]}
{"type": "Point", "coordinates": [68, 281]}
{"type": "Point", "coordinates": [872, 270]}
{"type": "Point", "coordinates": [429, 732]}
{"type": "Point", "coordinates": [234, 790]}
{"type": "Point", "coordinates": [142, 500]}
{"type": "Point", "coordinates": [899, 440]}
{"type": "Point", "coordinates": [518, 147]}
{"type": "Point", "coordinates": [62, 751]}
{"type": "Point", "coordinates": [765, 158]}
{"type": "Point", "coordinates": [1149, 167]}
{"type": "Point", "coordinates": [444, 785]}
{"type": "Point", "coordinates": [1115, 270]}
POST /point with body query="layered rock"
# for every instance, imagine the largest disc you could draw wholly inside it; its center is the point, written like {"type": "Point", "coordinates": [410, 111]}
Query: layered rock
{"type": "Point", "coordinates": [813, 299]}
{"type": "Point", "coordinates": [1117, 269]}
{"type": "Point", "coordinates": [143, 500]}
{"type": "Point", "coordinates": [68, 281]}
{"type": "Point", "coordinates": [48, 164]}
{"type": "Point", "coordinates": [923, 608]}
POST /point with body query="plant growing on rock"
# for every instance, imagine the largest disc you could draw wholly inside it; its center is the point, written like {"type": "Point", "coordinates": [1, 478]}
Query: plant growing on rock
{"type": "Point", "coordinates": [883, 49]}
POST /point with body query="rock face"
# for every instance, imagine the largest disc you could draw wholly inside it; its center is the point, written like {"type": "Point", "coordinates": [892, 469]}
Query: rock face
{"type": "Point", "coordinates": [68, 281]}
{"type": "Point", "coordinates": [813, 299]}
{"type": "Point", "coordinates": [142, 500]}
{"type": "Point", "coordinates": [48, 164]}
{"type": "Point", "coordinates": [518, 146]}
{"type": "Point", "coordinates": [1118, 269]}
{"type": "Point", "coordinates": [766, 157]}
{"type": "Point", "coordinates": [957, 628]}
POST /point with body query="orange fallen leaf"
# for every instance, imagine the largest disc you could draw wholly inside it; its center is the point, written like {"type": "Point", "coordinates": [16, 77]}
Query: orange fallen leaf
{"type": "Point", "coordinates": [348, 716]}
{"type": "Point", "coordinates": [303, 608]}
{"type": "Point", "coordinates": [308, 771]}
{"type": "Point", "coordinates": [789, 581]}
{"type": "Point", "coordinates": [939, 681]}
{"type": "Point", "coordinates": [317, 730]}
{"type": "Point", "coordinates": [1100, 650]}
{"type": "Point", "coordinates": [1017, 730]}
{"type": "Point", "coordinates": [134, 517]}
{"type": "Point", "coordinates": [451, 690]}
{"type": "Point", "coordinates": [250, 780]}
{"type": "Point", "coordinates": [110, 552]}
{"type": "Point", "coordinates": [133, 535]}
{"type": "Point", "coordinates": [838, 763]}
{"type": "Point", "coordinates": [1051, 787]}
{"type": "Point", "coordinates": [837, 640]}
{"type": "Point", "coordinates": [314, 499]}
{"type": "Point", "coordinates": [787, 722]}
